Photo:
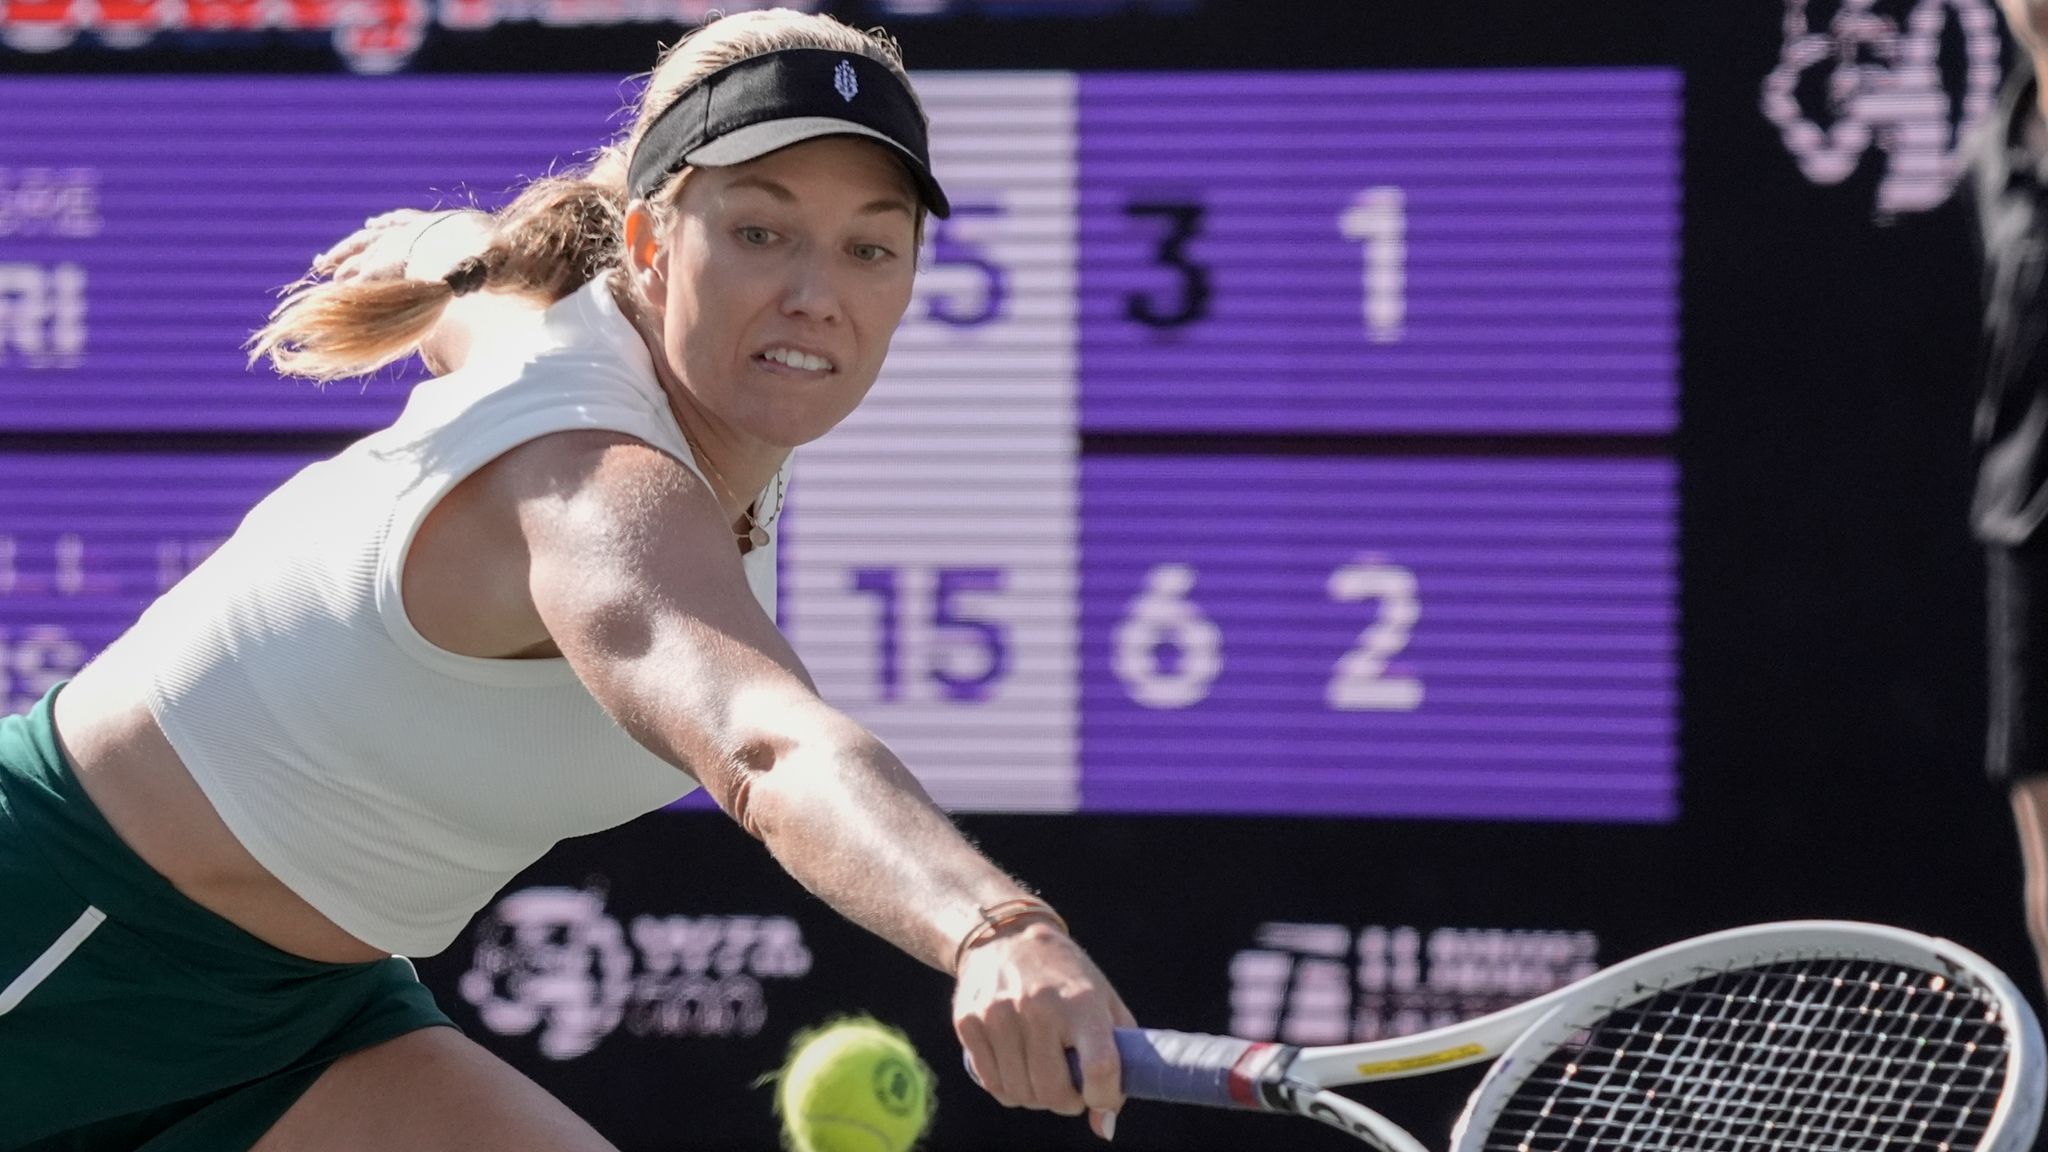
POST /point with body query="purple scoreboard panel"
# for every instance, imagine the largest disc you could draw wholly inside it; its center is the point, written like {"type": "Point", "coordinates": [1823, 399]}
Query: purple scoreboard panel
{"type": "Point", "coordinates": [146, 226]}
{"type": "Point", "coordinates": [1034, 621]}
{"type": "Point", "coordinates": [1475, 637]}
{"type": "Point", "coordinates": [87, 541]}
{"type": "Point", "coordinates": [1409, 252]}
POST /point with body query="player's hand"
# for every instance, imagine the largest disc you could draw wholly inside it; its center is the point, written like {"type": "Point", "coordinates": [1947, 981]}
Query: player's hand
{"type": "Point", "coordinates": [1027, 996]}
{"type": "Point", "coordinates": [398, 244]}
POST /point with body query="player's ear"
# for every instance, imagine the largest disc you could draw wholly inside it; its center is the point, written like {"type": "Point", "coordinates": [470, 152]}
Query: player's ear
{"type": "Point", "coordinates": [643, 253]}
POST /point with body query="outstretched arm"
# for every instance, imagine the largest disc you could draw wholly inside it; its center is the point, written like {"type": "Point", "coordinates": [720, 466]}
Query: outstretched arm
{"type": "Point", "coordinates": [626, 565]}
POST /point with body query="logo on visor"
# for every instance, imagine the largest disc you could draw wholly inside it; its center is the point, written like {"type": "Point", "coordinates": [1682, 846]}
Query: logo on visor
{"type": "Point", "coordinates": [843, 79]}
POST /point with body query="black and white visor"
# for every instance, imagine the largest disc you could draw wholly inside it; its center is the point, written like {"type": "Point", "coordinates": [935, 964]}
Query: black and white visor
{"type": "Point", "coordinates": [747, 110]}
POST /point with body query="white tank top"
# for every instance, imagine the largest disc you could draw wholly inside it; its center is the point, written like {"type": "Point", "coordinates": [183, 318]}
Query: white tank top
{"type": "Point", "coordinates": [397, 786]}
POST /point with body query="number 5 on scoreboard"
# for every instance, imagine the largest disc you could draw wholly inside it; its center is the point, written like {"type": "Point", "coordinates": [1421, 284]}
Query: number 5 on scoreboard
{"type": "Point", "coordinates": [949, 249]}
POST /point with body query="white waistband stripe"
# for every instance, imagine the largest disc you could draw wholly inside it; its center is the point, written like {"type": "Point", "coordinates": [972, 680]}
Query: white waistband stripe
{"type": "Point", "coordinates": [52, 956]}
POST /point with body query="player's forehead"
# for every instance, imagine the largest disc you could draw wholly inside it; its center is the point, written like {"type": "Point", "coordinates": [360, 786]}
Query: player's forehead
{"type": "Point", "coordinates": [842, 173]}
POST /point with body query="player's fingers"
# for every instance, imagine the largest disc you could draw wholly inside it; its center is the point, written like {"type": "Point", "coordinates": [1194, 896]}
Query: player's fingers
{"type": "Point", "coordinates": [326, 261]}
{"type": "Point", "coordinates": [374, 230]}
{"type": "Point", "coordinates": [1008, 1040]}
{"type": "Point", "coordinates": [980, 1064]}
{"type": "Point", "coordinates": [998, 1076]}
{"type": "Point", "coordinates": [981, 1060]}
{"type": "Point", "coordinates": [348, 248]}
{"type": "Point", "coordinates": [1052, 1079]}
{"type": "Point", "coordinates": [394, 218]}
{"type": "Point", "coordinates": [380, 261]}
{"type": "Point", "coordinates": [1101, 1068]}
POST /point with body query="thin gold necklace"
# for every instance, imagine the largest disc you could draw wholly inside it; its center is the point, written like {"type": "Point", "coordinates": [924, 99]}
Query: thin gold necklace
{"type": "Point", "coordinates": [756, 535]}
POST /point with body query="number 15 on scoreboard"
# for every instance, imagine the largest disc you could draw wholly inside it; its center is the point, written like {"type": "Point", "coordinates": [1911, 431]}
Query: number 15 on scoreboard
{"type": "Point", "coordinates": [968, 650]}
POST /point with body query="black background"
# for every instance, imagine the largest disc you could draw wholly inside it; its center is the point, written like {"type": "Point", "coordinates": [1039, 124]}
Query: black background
{"type": "Point", "coordinates": [1831, 621]}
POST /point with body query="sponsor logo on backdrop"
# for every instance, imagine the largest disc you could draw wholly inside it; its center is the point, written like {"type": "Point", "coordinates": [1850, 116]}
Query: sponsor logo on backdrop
{"type": "Point", "coordinates": [41, 202]}
{"type": "Point", "coordinates": [370, 35]}
{"type": "Point", "coordinates": [34, 658]}
{"type": "Point", "coordinates": [1018, 9]}
{"type": "Point", "coordinates": [1866, 76]}
{"type": "Point", "coordinates": [377, 36]}
{"type": "Point", "coordinates": [1304, 983]}
{"type": "Point", "coordinates": [553, 961]}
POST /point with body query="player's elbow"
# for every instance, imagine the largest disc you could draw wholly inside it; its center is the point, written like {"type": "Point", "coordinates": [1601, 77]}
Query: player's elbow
{"type": "Point", "coordinates": [775, 768]}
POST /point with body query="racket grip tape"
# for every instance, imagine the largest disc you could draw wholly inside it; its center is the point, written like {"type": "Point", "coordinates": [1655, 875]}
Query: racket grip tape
{"type": "Point", "coordinates": [1194, 1067]}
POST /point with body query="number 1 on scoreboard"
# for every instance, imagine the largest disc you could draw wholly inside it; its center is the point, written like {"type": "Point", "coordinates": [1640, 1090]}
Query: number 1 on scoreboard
{"type": "Point", "coordinates": [1379, 219]}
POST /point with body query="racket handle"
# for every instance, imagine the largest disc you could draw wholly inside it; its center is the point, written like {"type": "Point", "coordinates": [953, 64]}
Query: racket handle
{"type": "Point", "coordinates": [1192, 1067]}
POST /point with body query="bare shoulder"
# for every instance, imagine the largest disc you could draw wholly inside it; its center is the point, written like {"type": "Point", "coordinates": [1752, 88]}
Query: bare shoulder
{"type": "Point", "coordinates": [580, 506]}
{"type": "Point", "coordinates": [596, 468]}
{"type": "Point", "coordinates": [584, 489]}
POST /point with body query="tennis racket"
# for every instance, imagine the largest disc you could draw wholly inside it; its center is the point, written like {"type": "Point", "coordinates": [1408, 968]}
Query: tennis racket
{"type": "Point", "coordinates": [1818, 1035]}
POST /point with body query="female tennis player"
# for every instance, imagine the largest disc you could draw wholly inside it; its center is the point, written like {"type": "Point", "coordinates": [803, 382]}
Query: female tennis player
{"type": "Point", "coordinates": [537, 605]}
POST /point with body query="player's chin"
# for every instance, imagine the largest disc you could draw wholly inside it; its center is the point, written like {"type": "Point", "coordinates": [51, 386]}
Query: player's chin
{"type": "Point", "coordinates": [795, 433]}
{"type": "Point", "coordinates": [794, 416]}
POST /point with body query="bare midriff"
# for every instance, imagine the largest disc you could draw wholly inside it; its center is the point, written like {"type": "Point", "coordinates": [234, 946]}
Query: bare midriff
{"type": "Point", "coordinates": [130, 771]}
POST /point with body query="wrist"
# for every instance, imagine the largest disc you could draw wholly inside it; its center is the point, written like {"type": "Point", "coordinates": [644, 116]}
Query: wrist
{"type": "Point", "coordinates": [1018, 916]}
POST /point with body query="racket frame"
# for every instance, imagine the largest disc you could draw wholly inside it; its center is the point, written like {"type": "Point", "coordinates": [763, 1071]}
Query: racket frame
{"type": "Point", "coordinates": [2013, 1120]}
{"type": "Point", "coordinates": [1274, 1077]}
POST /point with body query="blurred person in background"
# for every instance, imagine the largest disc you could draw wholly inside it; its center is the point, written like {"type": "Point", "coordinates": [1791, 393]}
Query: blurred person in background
{"type": "Point", "coordinates": [2009, 190]}
{"type": "Point", "coordinates": [537, 605]}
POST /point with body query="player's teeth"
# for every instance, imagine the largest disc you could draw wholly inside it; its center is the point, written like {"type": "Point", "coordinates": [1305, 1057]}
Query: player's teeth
{"type": "Point", "coordinates": [797, 359]}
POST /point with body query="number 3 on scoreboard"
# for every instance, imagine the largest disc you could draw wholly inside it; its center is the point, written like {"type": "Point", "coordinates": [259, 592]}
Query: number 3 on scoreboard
{"type": "Point", "coordinates": [1360, 681]}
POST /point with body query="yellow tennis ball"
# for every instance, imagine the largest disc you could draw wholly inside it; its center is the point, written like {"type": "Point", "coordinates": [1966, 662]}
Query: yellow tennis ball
{"type": "Point", "coordinates": [854, 1085]}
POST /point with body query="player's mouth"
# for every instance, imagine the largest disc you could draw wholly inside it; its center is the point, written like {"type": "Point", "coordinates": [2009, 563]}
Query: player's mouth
{"type": "Point", "coordinates": [795, 360]}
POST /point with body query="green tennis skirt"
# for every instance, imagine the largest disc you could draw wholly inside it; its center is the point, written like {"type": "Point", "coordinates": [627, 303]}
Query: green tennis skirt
{"type": "Point", "coordinates": [132, 1018]}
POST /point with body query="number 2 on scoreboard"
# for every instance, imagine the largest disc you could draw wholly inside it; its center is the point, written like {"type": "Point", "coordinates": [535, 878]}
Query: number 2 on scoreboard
{"type": "Point", "coordinates": [1360, 681]}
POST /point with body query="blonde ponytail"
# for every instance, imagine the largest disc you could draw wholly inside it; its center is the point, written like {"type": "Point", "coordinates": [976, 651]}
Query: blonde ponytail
{"type": "Point", "coordinates": [325, 331]}
{"type": "Point", "coordinates": [554, 238]}
{"type": "Point", "coordinates": [558, 235]}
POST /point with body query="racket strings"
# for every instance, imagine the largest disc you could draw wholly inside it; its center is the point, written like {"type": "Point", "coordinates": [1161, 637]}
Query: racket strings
{"type": "Point", "coordinates": [1827, 1056]}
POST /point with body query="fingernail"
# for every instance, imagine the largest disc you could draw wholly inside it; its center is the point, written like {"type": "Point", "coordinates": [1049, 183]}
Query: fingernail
{"type": "Point", "coordinates": [1109, 1125]}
